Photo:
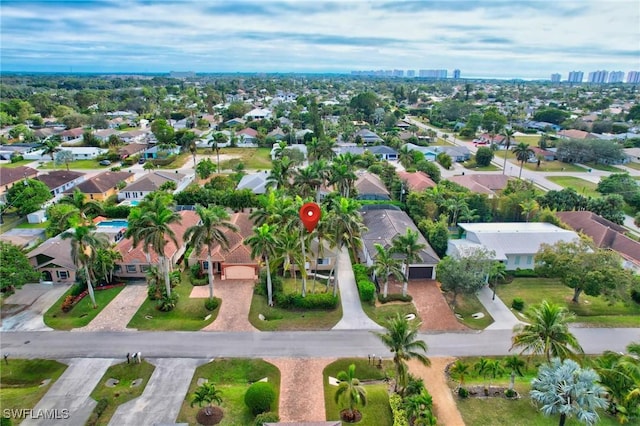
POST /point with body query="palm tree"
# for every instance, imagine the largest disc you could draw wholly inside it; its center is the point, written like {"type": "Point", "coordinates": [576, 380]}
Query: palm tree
{"type": "Point", "coordinates": [508, 134]}
{"type": "Point", "coordinates": [528, 207]}
{"type": "Point", "coordinates": [515, 365]}
{"type": "Point", "coordinates": [548, 332]}
{"type": "Point", "coordinates": [80, 201]}
{"type": "Point", "coordinates": [401, 339]}
{"type": "Point", "coordinates": [193, 149]}
{"type": "Point", "coordinates": [384, 265]}
{"type": "Point", "coordinates": [306, 182]}
{"type": "Point", "coordinates": [409, 246]}
{"type": "Point", "coordinates": [497, 271]}
{"type": "Point", "coordinates": [454, 206]}
{"type": "Point", "coordinates": [105, 261]}
{"type": "Point", "coordinates": [84, 245]}
{"type": "Point", "coordinates": [209, 232]}
{"type": "Point", "coordinates": [350, 389]}
{"type": "Point", "coordinates": [522, 152]}
{"type": "Point", "coordinates": [280, 173]}
{"type": "Point", "coordinates": [207, 394]}
{"type": "Point", "coordinates": [263, 244]}
{"type": "Point", "coordinates": [419, 409]}
{"type": "Point", "coordinates": [50, 147]}
{"type": "Point", "coordinates": [482, 367]}
{"type": "Point", "coordinates": [405, 157]}
{"type": "Point", "coordinates": [459, 370]}
{"type": "Point", "coordinates": [620, 375]}
{"type": "Point", "coordinates": [563, 387]}
{"type": "Point", "coordinates": [150, 224]}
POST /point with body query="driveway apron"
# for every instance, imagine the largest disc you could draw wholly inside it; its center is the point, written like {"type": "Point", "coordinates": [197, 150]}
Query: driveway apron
{"type": "Point", "coordinates": [117, 314]}
{"type": "Point", "coordinates": [236, 302]}
{"type": "Point", "coordinates": [503, 318]}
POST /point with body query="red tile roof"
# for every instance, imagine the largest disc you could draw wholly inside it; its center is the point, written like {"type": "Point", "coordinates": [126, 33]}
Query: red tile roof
{"type": "Point", "coordinates": [416, 181]}
{"type": "Point", "coordinates": [483, 184]}
{"type": "Point", "coordinates": [248, 131]}
{"type": "Point", "coordinates": [238, 252]}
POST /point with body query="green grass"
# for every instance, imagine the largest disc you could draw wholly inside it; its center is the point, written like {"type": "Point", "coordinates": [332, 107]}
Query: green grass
{"type": "Point", "coordinates": [467, 305]}
{"type": "Point", "coordinates": [26, 225]}
{"type": "Point", "coordinates": [232, 377]}
{"type": "Point", "coordinates": [633, 165]}
{"type": "Point", "coordinates": [545, 166]}
{"type": "Point", "coordinates": [252, 158]}
{"type": "Point", "coordinates": [291, 319]}
{"type": "Point", "coordinates": [16, 164]}
{"type": "Point", "coordinates": [122, 392]}
{"type": "Point", "coordinates": [82, 313]}
{"type": "Point", "coordinates": [382, 313]}
{"type": "Point", "coordinates": [20, 381]}
{"type": "Point", "coordinates": [78, 164]}
{"type": "Point", "coordinates": [531, 140]}
{"type": "Point", "coordinates": [10, 221]}
{"type": "Point", "coordinates": [584, 187]}
{"type": "Point", "coordinates": [471, 165]}
{"type": "Point", "coordinates": [377, 412]}
{"type": "Point", "coordinates": [594, 311]}
{"type": "Point", "coordinates": [188, 315]}
{"type": "Point", "coordinates": [179, 161]}
{"type": "Point", "coordinates": [604, 167]}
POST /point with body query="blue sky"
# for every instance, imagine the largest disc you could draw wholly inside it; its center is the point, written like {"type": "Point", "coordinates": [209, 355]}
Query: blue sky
{"type": "Point", "coordinates": [504, 39]}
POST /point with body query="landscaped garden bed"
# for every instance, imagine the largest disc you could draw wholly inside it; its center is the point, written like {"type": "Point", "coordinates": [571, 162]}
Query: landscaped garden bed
{"type": "Point", "coordinates": [82, 312]}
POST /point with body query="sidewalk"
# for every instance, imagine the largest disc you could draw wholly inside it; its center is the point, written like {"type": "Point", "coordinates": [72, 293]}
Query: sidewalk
{"type": "Point", "coordinates": [117, 314]}
{"type": "Point", "coordinates": [503, 318]}
{"type": "Point", "coordinates": [353, 317]}
{"type": "Point", "coordinates": [36, 299]}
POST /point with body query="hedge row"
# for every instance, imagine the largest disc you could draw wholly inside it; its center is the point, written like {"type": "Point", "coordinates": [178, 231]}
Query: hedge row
{"type": "Point", "coordinates": [394, 297]}
{"type": "Point", "coordinates": [525, 273]}
{"type": "Point", "coordinates": [311, 301]}
{"type": "Point", "coordinates": [399, 414]}
{"type": "Point", "coordinates": [366, 288]}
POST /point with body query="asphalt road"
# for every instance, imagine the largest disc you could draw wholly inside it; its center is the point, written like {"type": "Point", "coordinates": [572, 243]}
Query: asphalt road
{"type": "Point", "coordinates": [61, 345]}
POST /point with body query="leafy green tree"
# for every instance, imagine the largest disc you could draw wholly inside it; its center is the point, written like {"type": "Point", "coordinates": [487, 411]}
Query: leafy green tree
{"type": "Point", "coordinates": [551, 115]}
{"type": "Point", "coordinates": [205, 168]}
{"type": "Point", "coordinates": [264, 244]}
{"type": "Point", "coordinates": [564, 388]}
{"type": "Point", "coordinates": [27, 196]}
{"type": "Point", "coordinates": [401, 337]}
{"type": "Point", "coordinates": [619, 183]}
{"type": "Point", "coordinates": [445, 160]}
{"type": "Point", "coordinates": [384, 265]}
{"type": "Point", "coordinates": [466, 273]}
{"type": "Point", "coordinates": [62, 217]}
{"type": "Point", "coordinates": [437, 233]}
{"type": "Point", "coordinates": [63, 156]}
{"type": "Point", "coordinates": [84, 246]}
{"type": "Point", "coordinates": [365, 104]}
{"type": "Point", "coordinates": [163, 131]}
{"type": "Point", "coordinates": [209, 233]}
{"type": "Point", "coordinates": [148, 166]}
{"type": "Point", "coordinates": [15, 269]}
{"type": "Point", "coordinates": [484, 155]}
{"type": "Point", "coordinates": [409, 246]}
{"type": "Point", "coordinates": [547, 333]}
{"type": "Point", "coordinates": [497, 271]}
{"type": "Point", "coordinates": [80, 201]}
{"type": "Point", "coordinates": [493, 120]}
{"type": "Point", "coordinates": [351, 390]}
{"type": "Point", "coordinates": [522, 152]}
{"type": "Point", "coordinates": [459, 370]}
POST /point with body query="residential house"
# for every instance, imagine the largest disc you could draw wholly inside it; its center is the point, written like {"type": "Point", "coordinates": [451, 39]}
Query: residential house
{"type": "Point", "coordinates": [78, 153]}
{"type": "Point", "coordinates": [576, 134]}
{"type": "Point", "coordinates": [258, 114]}
{"type": "Point", "coordinates": [515, 244]}
{"type": "Point", "coordinates": [131, 149]}
{"type": "Point", "coordinates": [416, 181]}
{"type": "Point", "coordinates": [256, 182]}
{"type": "Point", "coordinates": [72, 134]}
{"type": "Point", "coordinates": [134, 136]}
{"type": "Point", "coordinates": [8, 151]}
{"type": "Point", "coordinates": [428, 152]}
{"type": "Point", "coordinates": [543, 153]}
{"type": "Point", "coordinates": [458, 154]}
{"type": "Point", "coordinates": [24, 238]}
{"type": "Point", "coordinates": [383, 226]}
{"type": "Point", "coordinates": [403, 124]}
{"type": "Point", "coordinates": [370, 187]}
{"type": "Point", "coordinates": [135, 262]}
{"type": "Point", "coordinates": [368, 137]}
{"type": "Point", "coordinates": [498, 139]}
{"type": "Point", "coordinates": [104, 185]}
{"type": "Point", "coordinates": [482, 184]}
{"type": "Point", "coordinates": [633, 154]}
{"type": "Point", "coordinates": [60, 181]}
{"type": "Point", "coordinates": [155, 152]}
{"type": "Point", "coordinates": [235, 122]}
{"type": "Point", "coordinates": [300, 134]}
{"type": "Point", "coordinates": [53, 260]}
{"type": "Point", "coordinates": [277, 134]}
{"type": "Point", "coordinates": [383, 152]}
{"type": "Point", "coordinates": [151, 182]}
{"type": "Point", "coordinates": [605, 234]}
{"type": "Point", "coordinates": [44, 133]}
{"type": "Point", "coordinates": [235, 262]}
{"type": "Point", "coordinates": [247, 137]}
{"type": "Point", "coordinates": [105, 134]}
{"type": "Point", "coordinates": [11, 176]}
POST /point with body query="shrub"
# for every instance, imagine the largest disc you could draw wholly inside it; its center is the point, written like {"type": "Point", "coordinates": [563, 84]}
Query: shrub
{"type": "Point", "coordinates": [211, 304]}
{"type": "Point", "coordinates": [78, 288]}
{"type": "Point", "coordinates": [311, 301]}
{"type": "Point", "coordinates": [276, 283]}
{"type": "Point", "coordinates": [168, 302]}
{"type": "Point", "coordinates": [117, 212]}
{"type": "Point", "coordinates": [463, 393]}
{"type": "Point", "coordinates": [153, 292]}
{"type": "Point", "coordinates": [199, 281]}
{"type": "Point", "coordinates": [195, 271]}
{"type": "Point", "coordinates": [97, 412]}
{"type": "Point", "coordinates": [263, 418]}
{"type": "Point", "coordinates": [394, 297]}
{"type": "Point", "coordinates": [510, 393]}
{"type": "Point", "coordinates": [67, 304]}
{"type": "Point", "coordinates": [366, 289]}
{"type": "Point", "coordinates": [517, 303]}
{"type": "Point", "coordinates": [399, 414]}
{"type": "Point", "coordinates": [635, 295]}
{"type": "Point", "coordinates": [525, 273]}
{"type": "Point", "coordinates": [5, 421]}
{"type": "Point", "coordinates": [259, 397]}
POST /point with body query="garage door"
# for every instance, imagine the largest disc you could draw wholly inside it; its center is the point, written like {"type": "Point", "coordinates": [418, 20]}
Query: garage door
{"type": "Point", "coordinates": [424, 272]}
{"type": "Point", "coordinates": [239, 273]}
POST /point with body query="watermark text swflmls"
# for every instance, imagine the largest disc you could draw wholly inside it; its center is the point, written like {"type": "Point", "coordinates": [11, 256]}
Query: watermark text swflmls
{"type": "Point", "coordinates": [30, 413]}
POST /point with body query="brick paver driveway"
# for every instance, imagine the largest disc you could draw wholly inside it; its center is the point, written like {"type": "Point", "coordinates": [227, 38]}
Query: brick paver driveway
{"type": "Point", "coordinates": [432, 307]}
{"type": "Point", "coordinates": [236, 303]}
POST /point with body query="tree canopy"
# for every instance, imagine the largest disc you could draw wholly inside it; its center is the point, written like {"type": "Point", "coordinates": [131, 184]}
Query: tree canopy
{"type": "Point", "coordinates": [28, 196]}
{"type": "Point", "coordinates": [465, 274]}
{"type": "Point", "coordinates": [15, 269]}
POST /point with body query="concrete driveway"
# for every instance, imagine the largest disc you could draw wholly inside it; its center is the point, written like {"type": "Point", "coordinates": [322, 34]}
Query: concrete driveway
{"type": "Point", "coordinates": [30, 303]}
{"type": "Point", "coordinates": [236, 303]}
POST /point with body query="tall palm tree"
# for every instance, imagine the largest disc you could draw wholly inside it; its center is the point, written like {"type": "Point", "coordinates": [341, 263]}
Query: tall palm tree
{"type": "Point", "coordinates": [80, 201]}
{"type": "Point", "coordinates": [280, 173]}
{"type": "Point", "coordinates": [620, 375]}
{"type": "Point", "coordinates": [497, 271]}
{"type": "Point", "coordinates": [522, 152]}
{"type": "Point", "coordinates": [401, 337]}
{"type": "Point", "coordinates": [50, 147]}
{"type": "Point", "coordinates": [215, 142]}
{"type": "Point", "coordinates": [508, 134]}
{"type": "Point", "coordinates": [343, 177]}
{"type": "Point", "coordinates": [193, 149]}
{"type": "Point", "coordinates": [548, 333]}
{"type": "Point", "coordinates": [84, 245]}
{"type": "Point", "coordinates": [514, 364]}
{"type": "Point", "coordinates": [528, 207]}
{"type": "Point", "coordinates": [150, 224]}
{"type": "Point", "coordinates": [454, 206]}
{"type": "Point", "coordinates": [105, 261]}
{"type": "Point", "coordinates": [409, 246]}
{"type": "Point", "coordinates": [263, 244]}
{"type": "Point", "coordinates": [405, 157]}
{"type": "Point", "coordinates": [384, 265]}
{"type": "Point", "coordinates": [306, 182]}
{"type": "Point", "coordinates": [209, 232]}
{"type": "Point", "coordinates": [326, 149]}
{"type": "Point", "coordinates": [350, 389]}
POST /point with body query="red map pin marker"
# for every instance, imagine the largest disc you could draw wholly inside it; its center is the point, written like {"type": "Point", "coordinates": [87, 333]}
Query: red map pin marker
{"type": "Point", "coordinates": [310, 215]}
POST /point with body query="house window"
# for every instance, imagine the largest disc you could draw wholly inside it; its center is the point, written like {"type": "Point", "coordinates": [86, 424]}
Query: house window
{"type": "Point", "coordinates": [205, 265]}
{"type": "Point", "coordinates": [517, 261]}
{"type": "Point", "coordinates": [323, 261]}
{"type": "Point", "coordinates": [529, 260]}
{"type": "Point", "coordinates": [117, 268]}
{"type": "Point", "coordinates": [144, 268]}
{"type": "Point", "coordinates": [91, 195]}
{"type": "Point", "coordinates": [63, 275]}
{"type": "Point", "coordinates": [131, 269]}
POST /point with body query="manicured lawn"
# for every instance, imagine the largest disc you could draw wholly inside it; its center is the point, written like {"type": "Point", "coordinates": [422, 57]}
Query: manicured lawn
{"type": "Point", "coordinates": [26, 225]}
{"type": "Point", "coordinates": [78, 164]}
{"type": "Point", "coordinates": [604, 167]}
{"type": "Point", "coordinates": [20, 381]}
{"type": "Point", "coordinates": [382, 313]}
{"type": "Point", "coordinates": [377, 411]}
{"type": "Point", "coordinates": [584, 187]}
{"type": "Point", "coordinates": [633, 165]}
{"type": "Point", "coordinates": [594, 311]}
{"type": "Point", "coordinates": [122, 392]}
{"type": "Point", "coordinates": [531, 140]}
{"type": "Point", "coordinates": [232, 377]}
{"type": "Point", "coordinates": [82, 313]}
{"type": "Point", "coordinates": [252, 158]}
{"type": "Point", "coordinates": [471, 165]}
{"type": "Point", "coordinates": [188, 315]}
{"type": "Point", "coordinates": [16, 164]}
{"type": "Point", "coordinates": [466, 306]}
{"type": "Point", "coordinates": [179, 161]}
{"type": "Point", "coordinates": [545, 166]}
{"type": "Point", "coordinates": [10, 221]}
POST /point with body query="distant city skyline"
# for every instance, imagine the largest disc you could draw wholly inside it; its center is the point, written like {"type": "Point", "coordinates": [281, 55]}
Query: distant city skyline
{"type": "Point", "coordinates": [484, 39]}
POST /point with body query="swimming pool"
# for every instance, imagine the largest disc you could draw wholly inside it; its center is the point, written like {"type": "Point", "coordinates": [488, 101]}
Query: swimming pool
{"type": "Point", "coordinates": [120, 223]}
{"type": "Point", "coordinates": [134, 202]}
